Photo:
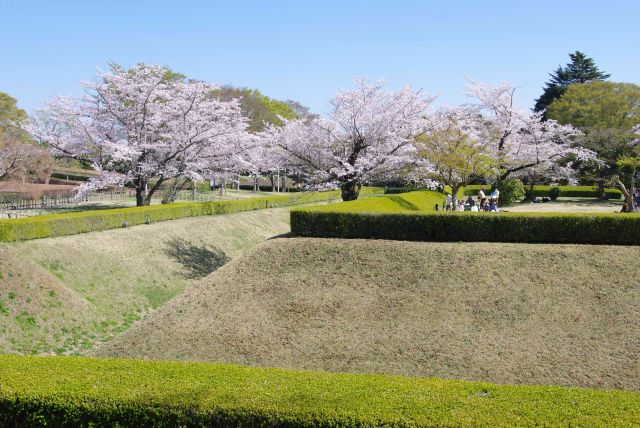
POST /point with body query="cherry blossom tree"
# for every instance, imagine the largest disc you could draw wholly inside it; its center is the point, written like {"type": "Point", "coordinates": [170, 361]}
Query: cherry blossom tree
{"type": "Point", "coordinates": [143, 127]}
{"type": "Point", "coordinates": [367, 135]}
{"type": "Point", "coordinates": [523, 139]}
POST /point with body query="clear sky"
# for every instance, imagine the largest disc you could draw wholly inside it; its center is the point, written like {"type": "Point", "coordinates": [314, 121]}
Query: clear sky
{"type": "Point", "coordinates": [307, 50]}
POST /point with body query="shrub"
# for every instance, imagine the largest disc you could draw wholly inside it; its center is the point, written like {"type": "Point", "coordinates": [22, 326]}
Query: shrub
{"type": "Point", "coordinates": [554, 193]}
{"type": "Point", "coordinates": [89, 221]}
{"type": "Point", "coordinates": [74, 391]}
{"type": "Point", "coordinates": [511, 190]}
{"type": "Point", "coordinates": [617, 229]}
{"type": "Point", "coordinates": [396, 190]}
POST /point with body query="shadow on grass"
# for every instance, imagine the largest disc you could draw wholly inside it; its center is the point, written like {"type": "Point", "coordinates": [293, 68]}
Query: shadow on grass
{"type": "Point", "coordinates": [200, 261]}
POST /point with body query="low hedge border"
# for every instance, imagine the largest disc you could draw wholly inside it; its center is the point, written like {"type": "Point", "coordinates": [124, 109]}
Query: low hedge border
{"type": "Point", "coordinates": [43, 226]}
{"type": "Point", "coordinates": [542, 191]}
{"type": "Point", "coordinates": [74, 391]}
{"type": "Point", "coordinates": [613, 229]}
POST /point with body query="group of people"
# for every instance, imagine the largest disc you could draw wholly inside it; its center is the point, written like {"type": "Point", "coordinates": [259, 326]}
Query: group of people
{"type": "Point", "coordinates": [484, 202]}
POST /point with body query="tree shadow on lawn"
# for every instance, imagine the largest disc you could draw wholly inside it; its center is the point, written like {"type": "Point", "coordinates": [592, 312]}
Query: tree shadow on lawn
{"type": "Point", "coordinates": [200, 261]}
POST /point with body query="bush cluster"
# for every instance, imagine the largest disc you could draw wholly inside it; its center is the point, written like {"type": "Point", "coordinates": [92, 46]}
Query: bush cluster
{"type": "Point", "coordinates": [88, 221]}
{"type": "Point", "coordinates": [75, 391]}
{"type": "Point", "coordinates": [616, 229]}
{"type": "Point", "coordinates": [511, 190]}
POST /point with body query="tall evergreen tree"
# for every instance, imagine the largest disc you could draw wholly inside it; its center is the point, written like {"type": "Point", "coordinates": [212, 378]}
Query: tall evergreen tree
{"type": "Point", "coordinates": [581, 69]}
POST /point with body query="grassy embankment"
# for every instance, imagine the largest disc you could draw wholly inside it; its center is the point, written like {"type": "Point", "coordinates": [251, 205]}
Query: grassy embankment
{"type": "Point", "coordinates": [505, 313]}
{"type": "Point", "coordinates": [65, 294]}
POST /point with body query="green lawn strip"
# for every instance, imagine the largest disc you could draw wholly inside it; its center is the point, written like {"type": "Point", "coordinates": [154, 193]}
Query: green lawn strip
{"type": "Point", "coordinates": [421, 200]}
{"type": "Point", "coordinates": [70, 391]}
{"type": "Point", "coordinates": [80, 222]}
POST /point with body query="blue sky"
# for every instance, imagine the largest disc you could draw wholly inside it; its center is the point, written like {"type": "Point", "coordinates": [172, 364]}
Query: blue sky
{"type": "Point", "coordinates": [308, 50]}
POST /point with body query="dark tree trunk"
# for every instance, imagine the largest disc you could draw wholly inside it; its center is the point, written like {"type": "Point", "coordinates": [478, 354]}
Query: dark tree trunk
{"type": "Point", "coordinates": [602, 175]}
{"type": "Point", "coordinates": [223, 186]}
{"type": "Point", "coordinates": [350, 190]}
{"type": "Point", "coordinates": [141, 192]}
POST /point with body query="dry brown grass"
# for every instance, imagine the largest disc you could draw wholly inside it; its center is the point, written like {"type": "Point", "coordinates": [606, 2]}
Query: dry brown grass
{"type": "Point", "coordinates": [506, 313]}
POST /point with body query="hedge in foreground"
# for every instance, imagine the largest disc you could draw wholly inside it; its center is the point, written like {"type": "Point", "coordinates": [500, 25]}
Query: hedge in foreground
{"type": "Point", "coordinates": [72, 391]}
{"type": "Point", "coordinates": [88, 221]}
{"type": "Point", "coordinates": [616, 229]}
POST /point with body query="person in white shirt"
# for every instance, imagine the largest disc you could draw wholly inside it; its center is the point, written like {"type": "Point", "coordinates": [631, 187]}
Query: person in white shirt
{"type": "Point", "coordinates": [474, 208]}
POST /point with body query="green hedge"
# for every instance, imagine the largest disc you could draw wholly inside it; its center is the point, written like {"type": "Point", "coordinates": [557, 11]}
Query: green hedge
{"type": "Point", "coordinates": [69, 176]}
{"type": "Point", "coordinates": [617, 229]}
{"type": "Point", "coordinates": [543, 191]}
{"type": "Point", "coordinates": [80, 222]}
{"type": "Point", "coordinates": [576, 192]}
{"type": "Point", "coordinates": [73, 391]}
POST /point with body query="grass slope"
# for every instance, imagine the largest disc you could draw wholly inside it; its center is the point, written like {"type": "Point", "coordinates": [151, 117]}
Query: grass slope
{"type": "Point", "coordinates": [63, 295]}
{"type": "Point", "coordinates": [506, 313]}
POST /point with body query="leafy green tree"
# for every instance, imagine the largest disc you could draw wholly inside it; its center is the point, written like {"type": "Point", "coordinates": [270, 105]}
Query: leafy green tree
{"type": "Point", "coordinates": [629, 167]}
{"type": "Point", "coordinates": [581, 69]}
{"type": "Point", "coordinates": [10, 114]}
{"type": "Point", "coordinates": [607, 113]}
{"type": "Point", "coordinates": [20, 157]}
{"type": "Point", "coordinates": [259, 108]}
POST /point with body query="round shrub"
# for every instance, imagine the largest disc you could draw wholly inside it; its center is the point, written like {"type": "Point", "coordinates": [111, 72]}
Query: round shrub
{"type": "Point", "coordinates": [511, 190]}
{"type": "Point", "coordinates": [554, 193]}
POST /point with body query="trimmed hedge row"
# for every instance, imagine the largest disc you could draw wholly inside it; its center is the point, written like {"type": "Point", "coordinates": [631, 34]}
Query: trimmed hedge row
{"type": "Point", "coordinates": [576, 192]}
{"type": "Point", "coordinates": [74, 391]}
{"type": "Point", "coordinates": [88, 221]}
{"type": "Point", "coordinates": [543, 191]}
{"type": "Point", "coordinates": [615, 229]}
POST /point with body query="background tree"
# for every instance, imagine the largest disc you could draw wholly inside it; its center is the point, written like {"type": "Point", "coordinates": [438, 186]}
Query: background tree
{"type": "Point", "coordinates": [260, 109]}
{"type": "Point", "coordinates": [143, 127]}
{"type": "Point", "coordinates": [457, 148]}
{"type": "Point", "coordinates": [21, 159]}
{"type": "Point", "coordinates": [629, 167]}
{"type": "Point", "coordinates": [522, 139]}
{"type": "Point", "coordinates": [367, 135]}
{"type": "Point", "coordinates": [581, 69]}
{"type": "Point", "coordinates": [606, 112]}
